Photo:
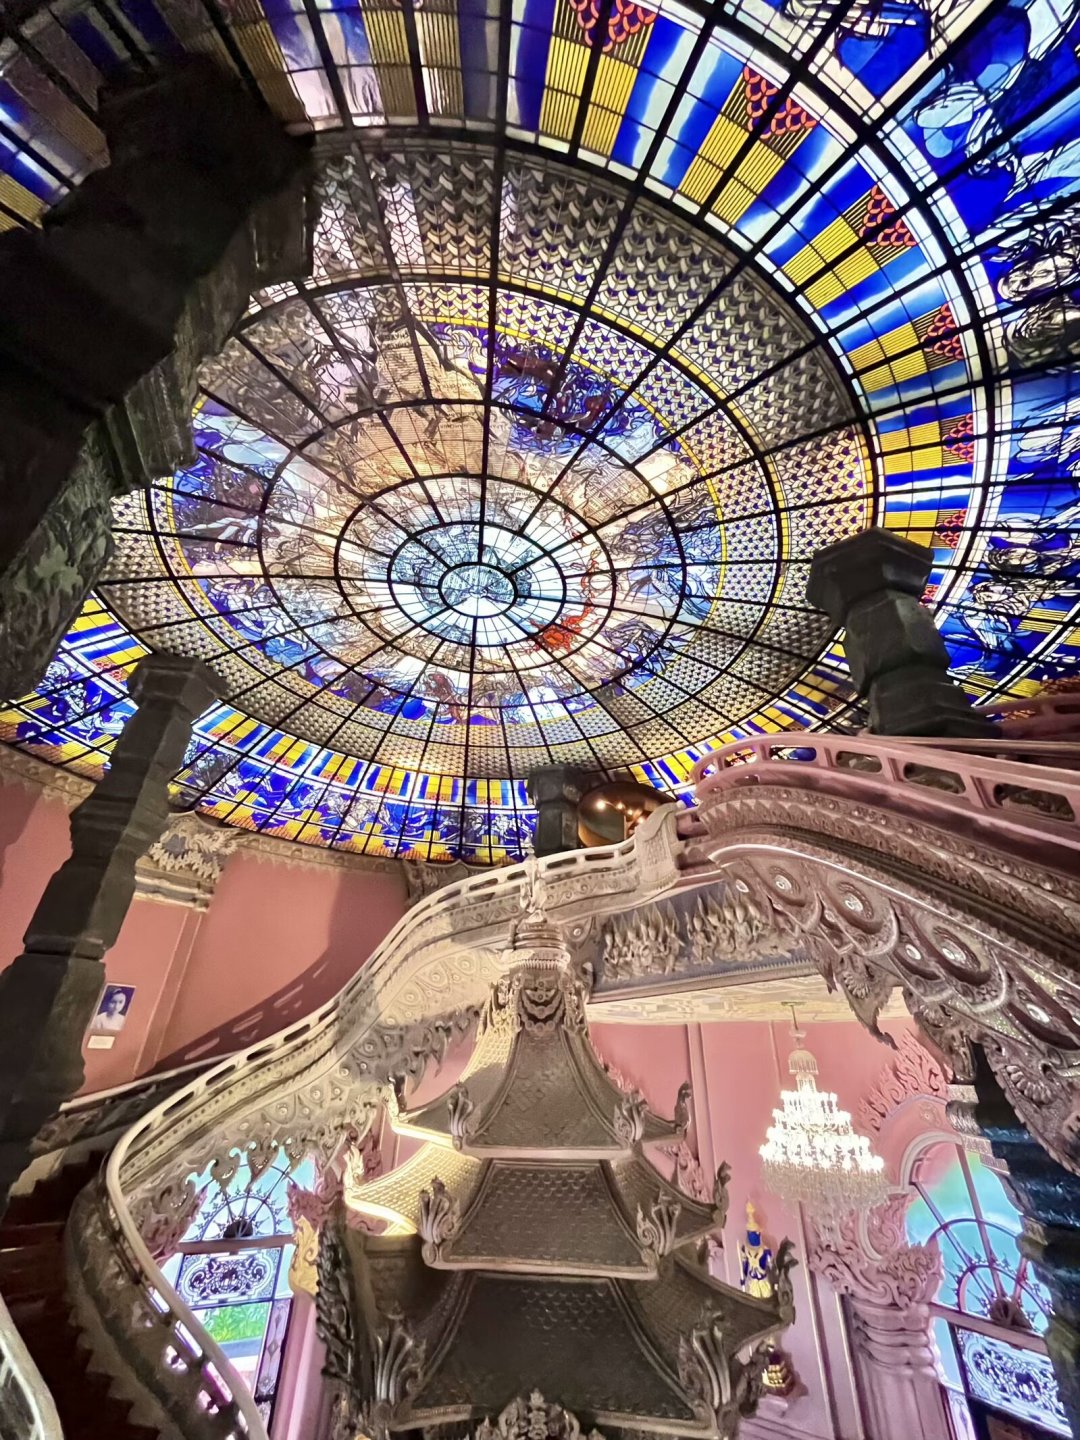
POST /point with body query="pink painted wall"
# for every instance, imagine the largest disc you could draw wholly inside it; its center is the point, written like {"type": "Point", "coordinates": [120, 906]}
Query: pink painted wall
{"type": "Point", "coordinates": [275, 943]}
{"type": "Point", "coordinates": [737, 1070]}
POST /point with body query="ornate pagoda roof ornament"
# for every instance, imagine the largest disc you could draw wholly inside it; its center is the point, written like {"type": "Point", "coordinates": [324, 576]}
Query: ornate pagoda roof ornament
{"type": "Point", "coordinates": [530, 1237]}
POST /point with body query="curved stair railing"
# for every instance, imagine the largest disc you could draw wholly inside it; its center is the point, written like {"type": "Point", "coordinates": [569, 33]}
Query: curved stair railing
{"type": "Point", "coordinates": [27, 1411]}
{"type": "Point", "coordinates": [304, 1087]}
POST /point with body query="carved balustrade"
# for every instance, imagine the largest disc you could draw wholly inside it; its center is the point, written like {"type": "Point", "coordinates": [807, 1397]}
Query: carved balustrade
{"type": "Point", "coordinates": [27, 1411]}
{"type": "Point", "coordinates": [879, 890]}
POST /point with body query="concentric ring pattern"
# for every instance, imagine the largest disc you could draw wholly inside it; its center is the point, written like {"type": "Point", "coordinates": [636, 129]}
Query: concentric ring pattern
{"type": "Point", "coordinates": [617, 316]}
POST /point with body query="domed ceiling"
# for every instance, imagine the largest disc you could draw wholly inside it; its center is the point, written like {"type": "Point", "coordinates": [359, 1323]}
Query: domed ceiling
{"type": "Point", "coordinates": [617, 316]}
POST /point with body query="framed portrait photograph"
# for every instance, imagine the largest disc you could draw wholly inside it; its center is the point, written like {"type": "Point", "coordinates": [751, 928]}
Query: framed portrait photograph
{"type": "Point", "coordinates": [113, 1011]}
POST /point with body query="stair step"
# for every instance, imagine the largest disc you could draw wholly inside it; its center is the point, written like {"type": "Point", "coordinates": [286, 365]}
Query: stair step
{"type": "Point", "coordinates": [33, 1285]}
{"type": "Point", "coordinates": [51, 1198]}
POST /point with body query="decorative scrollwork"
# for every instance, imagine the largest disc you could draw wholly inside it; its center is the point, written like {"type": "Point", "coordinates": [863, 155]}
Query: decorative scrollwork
{"type": "Point", "coordinates": [630, 1112]}
{"type": "Point", "coordinates": [165, 1213]}
{"type": "Point", "coordinates": [460, 1107]}
{"type": "Point", "coordinates": [657, 1230]}
{"type": "Point", "coordinates": [783, 1264]}
{"type": "Point", "coordinates": [911, 1071]}
{"type": "Point", "coordinates": [721, 1199]}
{"type": "Point", "coordinates": [440, 1216]}
{"type": "Point", "coordinates": [682, 1107]}
{"type": "Point", "coordinates": [900, 1277]}
{"type": "Point", "coordinates": [533, 1419]}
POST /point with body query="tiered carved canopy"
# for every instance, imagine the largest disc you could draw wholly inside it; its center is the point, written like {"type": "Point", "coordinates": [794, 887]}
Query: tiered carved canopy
{"type": "Point", "coordinates": [533, 1246]}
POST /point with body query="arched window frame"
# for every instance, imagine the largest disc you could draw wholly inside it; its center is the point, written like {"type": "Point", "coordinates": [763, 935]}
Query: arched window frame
{"type": "Point", "coordinates": [986, 1361]}
{"type": "Point", "coordinates": [245, 1233]}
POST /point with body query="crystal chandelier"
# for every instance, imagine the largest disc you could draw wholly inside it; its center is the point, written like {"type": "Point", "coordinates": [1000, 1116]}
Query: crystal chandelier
{"type": "Point", "coordinates": [811, 1153]}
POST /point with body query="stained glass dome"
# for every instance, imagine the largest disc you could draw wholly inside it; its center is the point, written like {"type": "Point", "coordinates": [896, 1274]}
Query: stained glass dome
{"type": "Point", "coordinates": [618, 314]}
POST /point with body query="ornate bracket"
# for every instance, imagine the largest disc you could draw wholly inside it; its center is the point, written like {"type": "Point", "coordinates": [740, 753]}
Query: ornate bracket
{"type": "Point", "coordinates": [656, 1231]}
{"type": "Point", "coordinates": [630, 1114]}
{"type": "Point", "coordinates": [459, 1106]}
{"type": "Point", "coordinates": [440, 1216]}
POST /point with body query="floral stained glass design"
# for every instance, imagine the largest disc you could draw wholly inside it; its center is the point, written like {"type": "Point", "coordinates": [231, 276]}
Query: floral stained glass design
{"type": "Point", "coordinates": [617, 316]}
{"type": "Point", "coordinates": [240, 1291]}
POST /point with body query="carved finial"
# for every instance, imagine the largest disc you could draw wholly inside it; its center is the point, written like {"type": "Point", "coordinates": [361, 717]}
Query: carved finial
{"type": "Point", "coordinates": [630, 1118]}
{"type": "Point", "coordinates": [440, 1215]}
{"type": "Point", "coordinates": [531, 894]}
{"type": "Point", "coordinates": [656, 1231]}
{"type": "Point", "coordinates": [720, 1197]}
{"type": "Point", "coordinates": [780, 1278]}
{"type": "Point", "coordinates": [533, 1419]}
{"type": "Point", "coordinates": [460, 1107]}
{"type": "Point", "coordinates": [682, 1107]}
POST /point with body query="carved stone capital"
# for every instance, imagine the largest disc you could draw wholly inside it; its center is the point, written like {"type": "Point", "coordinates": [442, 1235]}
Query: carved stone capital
{"type": "Point", "coordinates": [903, 1277]}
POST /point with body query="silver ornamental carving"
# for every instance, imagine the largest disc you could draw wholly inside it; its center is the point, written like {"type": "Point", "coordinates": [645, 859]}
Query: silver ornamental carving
{"type": "Point", "coordinates": [657, 1230]}
{"type": "Point", "coordinates": [440, 1216]}
{"type": "Point", "coordinates": [630, 1112]}
{"type": "Point", "coordinates": [734, 928]}
{"type": "Point", "coordinates": [533, 1419]}
{"type": "Point", "coordinates": [647, 942]}
{"type": "Point", "coordinates": [682, 1107]}
{"type": "Point", "coordinates": [459, 1107]}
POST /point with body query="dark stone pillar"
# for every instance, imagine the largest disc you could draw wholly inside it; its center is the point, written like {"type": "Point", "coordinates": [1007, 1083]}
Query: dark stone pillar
{"type": "Point", "coordinates": [49, 995]}
{"type": "Point", "coordinates": [555, 790]}
{"type": "Point", "coordinates": [132, 282]}
{"type": "Point", "coordinates": [1048, 1196]}
{"type": "Point", "coordinates": [872, 584]}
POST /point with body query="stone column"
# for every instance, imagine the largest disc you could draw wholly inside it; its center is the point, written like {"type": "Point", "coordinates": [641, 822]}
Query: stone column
{"type": "Point", "coordinates": [555, 790]}
{"type": "Point", "coordinates": [871, 585]}
{"type": "Point", "coordinates": [898, 1381]}
{"type": "Point", "coordinates": [887, 1299]}
{"type": "Point", "coordinates": [49, 995]}
{"type": "Point", "coordinates": [109, 308]}
{"type": "Point", "coordinates": [1048, 1197]}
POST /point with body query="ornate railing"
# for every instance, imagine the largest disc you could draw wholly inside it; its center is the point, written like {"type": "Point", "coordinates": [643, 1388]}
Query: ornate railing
{"type": "Point", "coordinates": [1023, 788]}
{"type": "Point", "coordinates": [767, 808]}
{"type": "Point", "coordinates": [27, 1411]}
{"type": "Point", "coordinates": [302, 1088]}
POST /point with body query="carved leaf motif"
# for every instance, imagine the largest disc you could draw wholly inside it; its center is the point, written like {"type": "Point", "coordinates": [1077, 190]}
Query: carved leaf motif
{"type": "Point", "coordinates": [901, 1277]}
{"type": "Point", "coordinates": [647, 942]}
{"type": "Point", "coordinates": [630, 1114]}
{"type": "Point", "coordinates": [734, 928]}
{"type": "Point", "coordinates": [657, 1230]}
{"type": "Point", "coordinates": [911, 1071]}
{"type": "Point", "coordinates": [440, 1216]}
{"type": "Point", "coordinates": [460, 1107]}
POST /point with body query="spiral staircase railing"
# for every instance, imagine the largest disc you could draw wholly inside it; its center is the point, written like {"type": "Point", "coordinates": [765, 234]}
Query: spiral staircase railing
{"type": "Point", "coordinates": [300, 1088]}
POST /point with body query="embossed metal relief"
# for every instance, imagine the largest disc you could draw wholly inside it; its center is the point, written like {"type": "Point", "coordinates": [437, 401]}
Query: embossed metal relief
{"type": "Point", "coordinates": [719, 930]}
{"type": "Point", "coordinates": [981, 945]}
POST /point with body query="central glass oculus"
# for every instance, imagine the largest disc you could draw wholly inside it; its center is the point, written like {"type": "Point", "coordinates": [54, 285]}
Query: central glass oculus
{"type": "Point", "coordinates": [477, 590]}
